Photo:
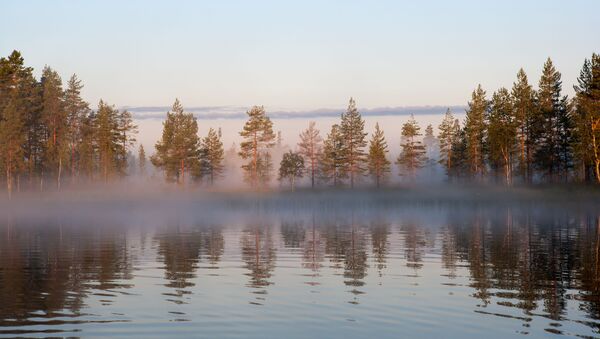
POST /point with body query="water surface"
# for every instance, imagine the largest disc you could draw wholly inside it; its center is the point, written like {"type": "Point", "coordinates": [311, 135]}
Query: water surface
{"type": "Point", "coordinates": [421, 272]}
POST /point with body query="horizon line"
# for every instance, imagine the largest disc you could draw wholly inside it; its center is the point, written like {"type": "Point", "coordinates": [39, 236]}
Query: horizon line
{"type": "Point", "coordinates": [239, 112]}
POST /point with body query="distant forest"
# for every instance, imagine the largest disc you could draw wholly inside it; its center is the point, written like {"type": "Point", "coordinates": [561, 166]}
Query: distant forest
{"type": "Point", "coordinates": [50, 138]}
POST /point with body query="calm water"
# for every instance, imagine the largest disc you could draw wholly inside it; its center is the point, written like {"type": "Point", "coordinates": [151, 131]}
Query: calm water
{"type": "Point", "coordinates": [425, 273]}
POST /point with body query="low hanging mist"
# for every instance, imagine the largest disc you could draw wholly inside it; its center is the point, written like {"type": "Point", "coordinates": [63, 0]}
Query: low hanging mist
{"type": "Point", "coordinates": [53, 142]}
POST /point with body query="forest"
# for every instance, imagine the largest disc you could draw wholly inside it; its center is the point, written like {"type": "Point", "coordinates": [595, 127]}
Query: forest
{"type": "Point", "coordinates": [51, 139]}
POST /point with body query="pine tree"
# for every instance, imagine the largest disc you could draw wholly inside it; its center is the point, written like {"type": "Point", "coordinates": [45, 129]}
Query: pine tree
{"type": "Point", "coordinates": [333, 164]}
{"type": "Point", "coordinates": [553, 156]}
{"type": "Point", "coordinates": [18, 92]}
{"type": "Point", "coordinates": [125, 134]}
{"type": "Point", "coordinates": [310, 148]}
{"type": "Point", "coordinates": [587, 119]}
{"type": "Point", "coordinates": [525, 117]}
{"type": "Point", "coordinates": [104, 133]}
{"type": "Point", "coordinates": [412, 156]}
{"type": "Point", "coordinates": [177, 153]}
{"type": "Point", "coordinates": [379, 165]}
{"type": "Point", "coordinates": [264, 168]}
{"type": "Point", "coordinates": [258, 139]}
{"type": "Point", "coordinates": [291, 167]}
{"type": "Point", "coordinates": [11, 140]}
{"type": "Point", "coordinates": [459, 167]}
{"type": "Point", "coordinates": [87, 149]}
{"type": "Point", "coordinates": [35, 138]}
{"type": "Point", "coordinates": [77, 111]}
{"type": "Point", "coordinates": [501, 134]}
{"type": "Point", "coordinates": [142, 161]}
{"type": "Point", "coordinates": [449, 129]}
{"type": "Point", "coordinates": [212, 156]}
{"type": "Point", "coordinates": [431, 149]}
{"type": "Point", "coordinates": [54, 117]}
{"type": "Point", "coordinates": [475, 132]}
{"type": "Point", "coordinates": [429, 140]}
{"type": "Point", "coordinates": [352, 129]}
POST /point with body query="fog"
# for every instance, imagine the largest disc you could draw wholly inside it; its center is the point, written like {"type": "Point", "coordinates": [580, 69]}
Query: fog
{"type": "Point", "coordinates": [154, 205]}
{"type": "Point", "coordinates": [150, 130]}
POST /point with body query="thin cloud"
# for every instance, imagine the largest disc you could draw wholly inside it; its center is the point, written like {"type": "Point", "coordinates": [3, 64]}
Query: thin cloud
{"type": "Point", "coordinates": [238, 112]}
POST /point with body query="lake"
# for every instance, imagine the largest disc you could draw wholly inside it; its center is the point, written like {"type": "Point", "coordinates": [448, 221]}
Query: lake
{"type": "Point", "coordinates": [428, 270]}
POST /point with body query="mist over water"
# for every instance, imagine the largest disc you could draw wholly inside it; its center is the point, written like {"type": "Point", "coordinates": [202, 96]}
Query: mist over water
{"type": "Point", "coordinates": [427, 262]}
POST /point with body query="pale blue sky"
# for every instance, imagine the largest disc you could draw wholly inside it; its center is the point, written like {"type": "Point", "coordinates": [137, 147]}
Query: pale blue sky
{"type": "Point", "coordinates": [302, 54]}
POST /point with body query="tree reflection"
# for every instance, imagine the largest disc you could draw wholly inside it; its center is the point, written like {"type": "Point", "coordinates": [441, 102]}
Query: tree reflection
{"type": "Point", "coordinates": [518, 263]}
{"type": "Point", "coordinates": [313, 250]}
{"type": "Point", "coordinates": [346, 247]}
{"type": "Point", "coordinates": [379, 243]}
{"type": "Point", "coordinates": [258, 252]}
{"type": "Point", "coordinates": [213, 245]}
{"type": "Point", "coordinates": [414, 242]}
{"type": "Point", "coordinates": [293, 233]}
{"type": "Point", "coordinates": [180, 252]}
{"type": "Point", "coordinates": [55, 268]}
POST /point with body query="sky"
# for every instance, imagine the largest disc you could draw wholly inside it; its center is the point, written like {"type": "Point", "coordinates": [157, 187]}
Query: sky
{"type": "Point", "coordinates": [299, 55]}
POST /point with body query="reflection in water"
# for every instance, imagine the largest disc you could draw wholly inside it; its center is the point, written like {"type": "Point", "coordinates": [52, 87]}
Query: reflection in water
{"type": "Point", "coordinates": [47, 273]}
{"type": "Point", "coordinates": [535, 272]}
{"type": "Point", "coordinates": [414, 243]}
{"type": "Point", "coordinates": [180, 252]}
{"type": "Point", "coordinates": [380, 230]}
{"type": "Point", "coordinates": [313, 250]}
{"type": "Point", "coordinates": [258, 252]}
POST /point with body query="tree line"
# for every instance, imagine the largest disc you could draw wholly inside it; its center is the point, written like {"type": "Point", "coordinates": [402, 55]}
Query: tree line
{"type": "Point", "coordinates": [518, 136]}
{"type": "Point", "coordinates": [50, 136]}
{"type": "Point", "coordinates": [521, 136]}
{"type": "Point", "coordinates": [525, 135]}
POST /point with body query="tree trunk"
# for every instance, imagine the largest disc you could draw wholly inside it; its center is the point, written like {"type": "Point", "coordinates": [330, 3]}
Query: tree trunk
{"type": "Point", "coordinates": [59, 173]}
{"type": "Point", "coordinates": [312, 174]}
{"type": "Point", "coordinates": [42, 181]}
{"type": "Point", "coordinates": [293, 182]}
{"type": "Point", "coordinates": [595, 128]}
{"type": "Point", "coordinates": [522, 153]}
{"type": "Point", "coordinates": [529, 175]}
{"type": "Point", "coordinates": [8, 182]}
{"type": "Point", "coordinates": [182, 172]}
{"type": "Point", "coordinates": [506, 166]}
{"type": "Point", "coordinates": [254, 179]}
{"type": "Point", "coordinates": [72, 165]}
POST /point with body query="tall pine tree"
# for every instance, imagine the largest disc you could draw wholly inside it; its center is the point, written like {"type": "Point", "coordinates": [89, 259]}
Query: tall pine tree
{"type": "Point", "coordinates": [310, 148]}
{"type": "Point", "coordinates": [554, 133]}
{"type": "Point", "coordinates": [587, 119]}
{"type": "Point", "coordinates": [17, 102]}
{"type": "Point", "coordinates": [291, 167]}
{"type": "Point", "coordinates": [501, 135]}
{"type": "Point", "coordinates": [212, 156]}
{"type": "Point", "coordinates": [54, 117]}
{"type": "Point", "coordinates": [412, 157]}
{"type": "Point", "coordinates": [77, 111]}
{"type": "Point", "coordinates": [177, 153]}
{"type": "Point", "coordinates": [379, 165]}
{"type": "Point", "coordinates": [447, 137]}
{"type": "Point", "coordinates": [333, 164]}
{"type": "Point", "coordinates": [475, 132]}
{"type": "Point", "coordinates": [352, 129]}
{"type": "Point", "coordinates": [525, 117]}
{"type": "Point", "coordinates": [258, 140]}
